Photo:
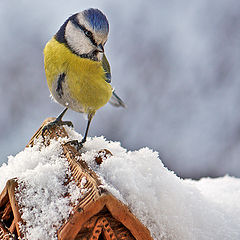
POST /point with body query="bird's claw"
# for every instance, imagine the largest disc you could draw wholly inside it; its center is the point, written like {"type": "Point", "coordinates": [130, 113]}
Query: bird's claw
{"type": "Point", "coordinates": [54, 124]}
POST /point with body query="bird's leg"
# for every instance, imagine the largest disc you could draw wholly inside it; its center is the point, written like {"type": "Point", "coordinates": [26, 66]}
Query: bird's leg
{"type": "Point", "coordinates": [86, 132]}
{"type": "Point", "coordinates": [79, 145]}
{"type": "Point", "coordinates": [59, 118]}
{"type": "Point", "coordinates": [57, 122]}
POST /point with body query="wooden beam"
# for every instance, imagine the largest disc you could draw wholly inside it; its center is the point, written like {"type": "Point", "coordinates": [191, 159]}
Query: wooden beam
{"type": "Point", "coordinates": [12, 186]}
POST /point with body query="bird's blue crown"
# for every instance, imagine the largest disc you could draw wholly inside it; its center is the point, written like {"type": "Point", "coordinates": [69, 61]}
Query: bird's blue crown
{"type": "Point", "coordinates": [97, 19]}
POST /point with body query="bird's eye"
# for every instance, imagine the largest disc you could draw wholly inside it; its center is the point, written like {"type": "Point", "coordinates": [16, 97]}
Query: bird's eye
{"type": "Point", "coordinates": [88, 33]}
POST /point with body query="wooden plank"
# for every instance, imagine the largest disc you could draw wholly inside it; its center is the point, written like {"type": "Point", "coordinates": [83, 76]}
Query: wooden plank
{"type": "Point", "coordinates": [4, 197]}
{"type": "Point", "coordinates": [12, 227]}
{"type": "Point", "coordinates": [122, 213]}
{"type": "Point", "coordinates": [118, 210]}
{"type": "Point", "coordinates": [6, 212]}
{"type": "Point", "coordinates": [80, 215]}
{"type": "Point", "coordinates": [12, 185]}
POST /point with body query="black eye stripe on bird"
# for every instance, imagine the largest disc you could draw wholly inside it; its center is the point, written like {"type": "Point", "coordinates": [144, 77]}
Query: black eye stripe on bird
{"type": "Point", "coordinates": [86, 32]}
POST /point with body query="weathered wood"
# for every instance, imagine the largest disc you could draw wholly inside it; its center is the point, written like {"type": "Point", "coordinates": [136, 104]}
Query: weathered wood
{"type": "Point", "coordinates": [118, 210]}
{"type": "Point", "coordinates": [104, 223]}
{"type": "Point", "coordinates": [12, 227]}
{"type": "Point", "coordinates": [6, 212]}
{"type": "Point", "coordinates": [12, 185]}
{"type": "Point", "coordinates": [8, 208]}
{"type": "Point", "coordinates": [4, 197]}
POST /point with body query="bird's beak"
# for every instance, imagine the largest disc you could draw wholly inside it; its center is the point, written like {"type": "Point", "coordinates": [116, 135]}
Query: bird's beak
{"type": "Point", "coordinates": [100, 48]}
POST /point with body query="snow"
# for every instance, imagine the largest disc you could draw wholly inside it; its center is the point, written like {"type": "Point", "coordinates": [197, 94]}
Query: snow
{"type": "Point", "coordinates": [171, 207]}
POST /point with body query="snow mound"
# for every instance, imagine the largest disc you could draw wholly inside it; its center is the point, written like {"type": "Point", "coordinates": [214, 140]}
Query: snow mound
{"type": "Point", "coordinates": [171, 208]}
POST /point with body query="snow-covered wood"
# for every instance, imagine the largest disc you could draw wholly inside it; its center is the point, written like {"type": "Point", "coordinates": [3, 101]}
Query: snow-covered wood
{"type": "Point", "coordinates": [170, 207]}
{"type": "Point", "coordinates": [96, 214]}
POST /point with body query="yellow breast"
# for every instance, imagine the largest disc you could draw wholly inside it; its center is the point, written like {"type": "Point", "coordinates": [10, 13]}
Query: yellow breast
{"type": "Point", "coordinates": [85, 79]}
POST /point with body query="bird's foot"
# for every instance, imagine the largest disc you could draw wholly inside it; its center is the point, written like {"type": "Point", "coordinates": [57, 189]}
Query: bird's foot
{"type": "Point", "coordinates": [54, 124]}
{"type": "Point", "coordinates": [76, 143]}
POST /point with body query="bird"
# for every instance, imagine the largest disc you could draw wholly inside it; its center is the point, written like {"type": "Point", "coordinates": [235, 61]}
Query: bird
{"type": "Point", "coordinates": [77, 71]}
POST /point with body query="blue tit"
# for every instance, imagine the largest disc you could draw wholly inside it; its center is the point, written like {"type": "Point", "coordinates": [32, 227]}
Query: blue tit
{"type": "Point", "coordinates": [77, 70]}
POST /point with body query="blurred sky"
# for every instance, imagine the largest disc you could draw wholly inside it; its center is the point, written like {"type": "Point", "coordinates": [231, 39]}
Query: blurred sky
{"type": "Point", "coordinates": [175, 63]}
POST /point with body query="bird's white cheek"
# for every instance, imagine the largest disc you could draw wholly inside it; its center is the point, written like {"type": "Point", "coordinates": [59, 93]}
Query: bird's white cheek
{"type": "Point", "coordinates": [77, 40]}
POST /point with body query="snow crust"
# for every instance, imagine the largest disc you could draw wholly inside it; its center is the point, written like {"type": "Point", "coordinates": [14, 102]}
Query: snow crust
{"type": "Point", "coordinates": [171, 207]}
